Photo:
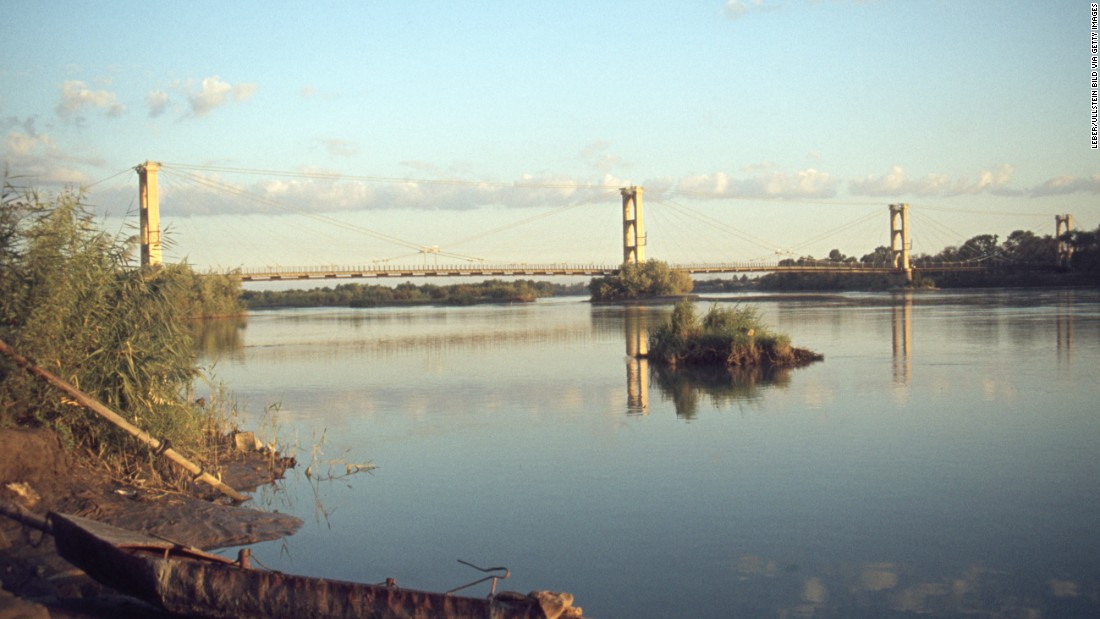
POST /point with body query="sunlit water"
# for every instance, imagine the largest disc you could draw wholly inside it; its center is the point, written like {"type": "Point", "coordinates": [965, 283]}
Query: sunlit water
{"type": "Point", "coordinates": [944, 459]}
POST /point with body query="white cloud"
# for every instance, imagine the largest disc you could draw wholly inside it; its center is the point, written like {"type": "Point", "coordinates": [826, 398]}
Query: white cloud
{"type": "Point", "coordinates": [765, 184]}
{"type": "Point", "coordinates": [897, 183]}
{"type": "Point", "coordinates": [76, 97]}
{"type": "Point", "coordinates": [157, 101]}
{"type": "Point", "coordinates": [214, 92]}
{"type": "Point", "coordinates": [328, 191]}
{"type": "Point", "coordinates": [716, 184]}
{"type": "Point", "coordinates": [1063, 185]}
{"type": "Point", "coordinates": [21, 145]}
{"type": "Point", "coordinates": [35, 158]}
{"type": "Point", "coordinates": [891, 183]}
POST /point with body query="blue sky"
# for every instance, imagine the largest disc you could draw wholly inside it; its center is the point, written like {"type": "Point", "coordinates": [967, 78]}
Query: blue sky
{"type": "Point", "coordinates": [755, 126]}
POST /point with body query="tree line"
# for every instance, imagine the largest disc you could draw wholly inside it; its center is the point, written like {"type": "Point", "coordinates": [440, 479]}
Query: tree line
{"type": "Point", "coordinates": [408, 293]}
{"type": "Point", "coordinates": [1022, 259]}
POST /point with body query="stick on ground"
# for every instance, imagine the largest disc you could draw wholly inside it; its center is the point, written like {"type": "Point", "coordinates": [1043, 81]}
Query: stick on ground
{"type": "Point", "coordinates": [98, 408]}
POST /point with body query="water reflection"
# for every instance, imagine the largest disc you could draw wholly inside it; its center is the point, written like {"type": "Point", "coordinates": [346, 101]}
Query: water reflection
{"type": "Point", "coordinates": [502, 429]}
{"type": "Point", "coordinates": [686, 387]}
{"type": "Point", "coordinates": [892, 589]}
{"type": "Point", "coordinates": [1064, 324]}
{"type": "Point", "coordinates": [636, 327]}
{"type": "Point", "coordinates": [902, 320]}
{"type": "Point", "coordinates": [219, 338]}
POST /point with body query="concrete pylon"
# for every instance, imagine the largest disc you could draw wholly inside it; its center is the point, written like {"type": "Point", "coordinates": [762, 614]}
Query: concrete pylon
{"type": "Point", "coordinates": [150, 213]}
{"type": "Point", "coordinates": [899, 240]}
{"type": "Point", "coordinates": [1063, 225]}
{"type": "Point", "coordinates": [633, 227]}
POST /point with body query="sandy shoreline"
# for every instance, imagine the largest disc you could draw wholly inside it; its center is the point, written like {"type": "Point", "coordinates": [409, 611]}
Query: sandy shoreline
{"type": "Point", "coordinates": [37, 474]}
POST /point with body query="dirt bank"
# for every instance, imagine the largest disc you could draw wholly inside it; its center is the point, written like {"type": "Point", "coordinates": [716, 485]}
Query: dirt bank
{"type": "Point", "coordinates": [36, 473]}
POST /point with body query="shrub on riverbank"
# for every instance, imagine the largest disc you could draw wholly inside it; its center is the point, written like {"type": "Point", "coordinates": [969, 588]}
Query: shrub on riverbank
{"type": "Point", "coordinates": [72, 301]}
{"type": "Point", "coordinates": [636, 281]}
{"type": "Point", "coordinates": [730, 337]}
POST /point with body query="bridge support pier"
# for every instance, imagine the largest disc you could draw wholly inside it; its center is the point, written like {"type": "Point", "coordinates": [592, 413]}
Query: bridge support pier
{"type": "Point", "coordinates": [899, 241]}
{"type": "Point", "coordinates": [633, 228]}
{"type": "Point", "coordinates": [1063, 225]}
{"type": "Point", "coordinates": [150, 213]}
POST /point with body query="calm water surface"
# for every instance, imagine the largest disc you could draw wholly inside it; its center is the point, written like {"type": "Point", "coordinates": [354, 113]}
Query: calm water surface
{"type": "Point", "coordinates": [944, 459]}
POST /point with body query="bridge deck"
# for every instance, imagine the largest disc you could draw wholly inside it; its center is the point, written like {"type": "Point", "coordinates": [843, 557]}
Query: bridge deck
{"type": "Point", "coordinates": [555, 270]}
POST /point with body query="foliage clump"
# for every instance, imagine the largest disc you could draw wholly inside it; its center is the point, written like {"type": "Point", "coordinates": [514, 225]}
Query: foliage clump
{"type": "Point", "coordinates": [653, 278]}
{"type": "Point", "coordinates": [72, 301]}
{"type": "Point", "coordinates": [731, 337]}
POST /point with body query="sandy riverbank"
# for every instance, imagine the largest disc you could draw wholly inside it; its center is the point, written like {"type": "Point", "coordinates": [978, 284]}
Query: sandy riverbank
{"type": "Point", "coordinates": [37, 474]}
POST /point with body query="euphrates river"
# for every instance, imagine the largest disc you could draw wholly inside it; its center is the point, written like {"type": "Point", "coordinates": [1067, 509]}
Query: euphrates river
{"type": "Point", "coordinates": [942, 461]}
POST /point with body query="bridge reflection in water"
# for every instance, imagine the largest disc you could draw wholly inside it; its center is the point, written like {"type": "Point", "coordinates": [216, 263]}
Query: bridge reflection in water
{"type": "Point", "coordinates": [902, 321]}
{"type": "Point", "coordinates": [636, 327]}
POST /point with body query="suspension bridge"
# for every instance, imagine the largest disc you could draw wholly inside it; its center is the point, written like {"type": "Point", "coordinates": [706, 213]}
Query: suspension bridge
{"type": "Point", "coordinates": [633, 243]}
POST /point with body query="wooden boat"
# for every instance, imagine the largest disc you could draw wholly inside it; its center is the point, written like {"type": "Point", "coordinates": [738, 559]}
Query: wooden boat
{"type": "Point", "coordinates": [191, 582]}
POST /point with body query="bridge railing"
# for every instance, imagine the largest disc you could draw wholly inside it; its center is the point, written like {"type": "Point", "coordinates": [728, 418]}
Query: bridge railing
{"type": "Point", "coordinates": [392, 270]}
{"type": "Point", "coordinates": [385, 270]}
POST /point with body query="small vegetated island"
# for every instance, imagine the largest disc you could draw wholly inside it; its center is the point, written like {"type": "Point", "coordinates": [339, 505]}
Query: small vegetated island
{"type": "Point", "coordinates": [733, 337]}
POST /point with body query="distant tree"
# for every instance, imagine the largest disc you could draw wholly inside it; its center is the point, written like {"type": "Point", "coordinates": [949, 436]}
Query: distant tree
{"type": "Point", "coordinates": [1086, 250]}
{"type": "Point", "coordinates": [880, 256]}
{"type": "Point", "coordinates": [634, 281]}
{"type": "Point", "coordinates": [1025, 247]}
{"type": "Point", "coordinates": [836, 256]}
{"type": "Point", "coordinates": [981, 247]}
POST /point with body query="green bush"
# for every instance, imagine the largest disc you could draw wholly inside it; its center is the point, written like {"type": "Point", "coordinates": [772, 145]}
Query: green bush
{"type": "Point", "coordinates": [72, 301]}
{"type": "Point", "coordinates": [636, 281]}
{"type": "Point", "coordinates": [731, 337]}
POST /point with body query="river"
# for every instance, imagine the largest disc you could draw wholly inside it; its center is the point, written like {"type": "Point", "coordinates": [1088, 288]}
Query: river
{"type": "Point", "coordinates": [944, 458]}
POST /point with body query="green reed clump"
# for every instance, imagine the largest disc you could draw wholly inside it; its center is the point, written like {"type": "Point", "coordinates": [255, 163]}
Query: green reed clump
{"type": "Point", "coordinates": [72, 301]}
{"type": "Point", "coordinates": [652, 278]}
{"type": "Point", "coordinates": [725, 336]}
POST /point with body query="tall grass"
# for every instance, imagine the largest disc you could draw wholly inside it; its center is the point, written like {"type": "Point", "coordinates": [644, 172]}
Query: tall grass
{"type": "Point", "coordinates": [72, 300]}
{"type": "Point", "coordinates": [725, 336]}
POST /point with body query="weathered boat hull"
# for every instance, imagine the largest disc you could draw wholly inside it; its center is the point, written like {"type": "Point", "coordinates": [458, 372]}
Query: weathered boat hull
{"type": "Point", "coordinates": [195, 583]}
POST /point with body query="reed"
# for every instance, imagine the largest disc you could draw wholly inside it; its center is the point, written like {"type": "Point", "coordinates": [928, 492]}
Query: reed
{"type": "Point", "coordinates": [72, 300]}
{"type": "Point", "coordinates": [724, 336]}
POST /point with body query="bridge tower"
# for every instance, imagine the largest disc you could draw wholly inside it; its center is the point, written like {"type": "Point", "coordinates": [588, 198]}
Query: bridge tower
{"type": "Point", "coordinates": [1063, 225]}
{"type": "Point", "coordinates": [150, 213]}
{"type": "Point", "coordinates": [633, 229]}
{"type": "Point", "coordinates": [899, 240]}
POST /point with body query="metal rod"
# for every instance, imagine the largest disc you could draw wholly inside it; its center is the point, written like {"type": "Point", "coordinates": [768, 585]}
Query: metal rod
{"type": "Point", "coordinates": [493, 577]}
